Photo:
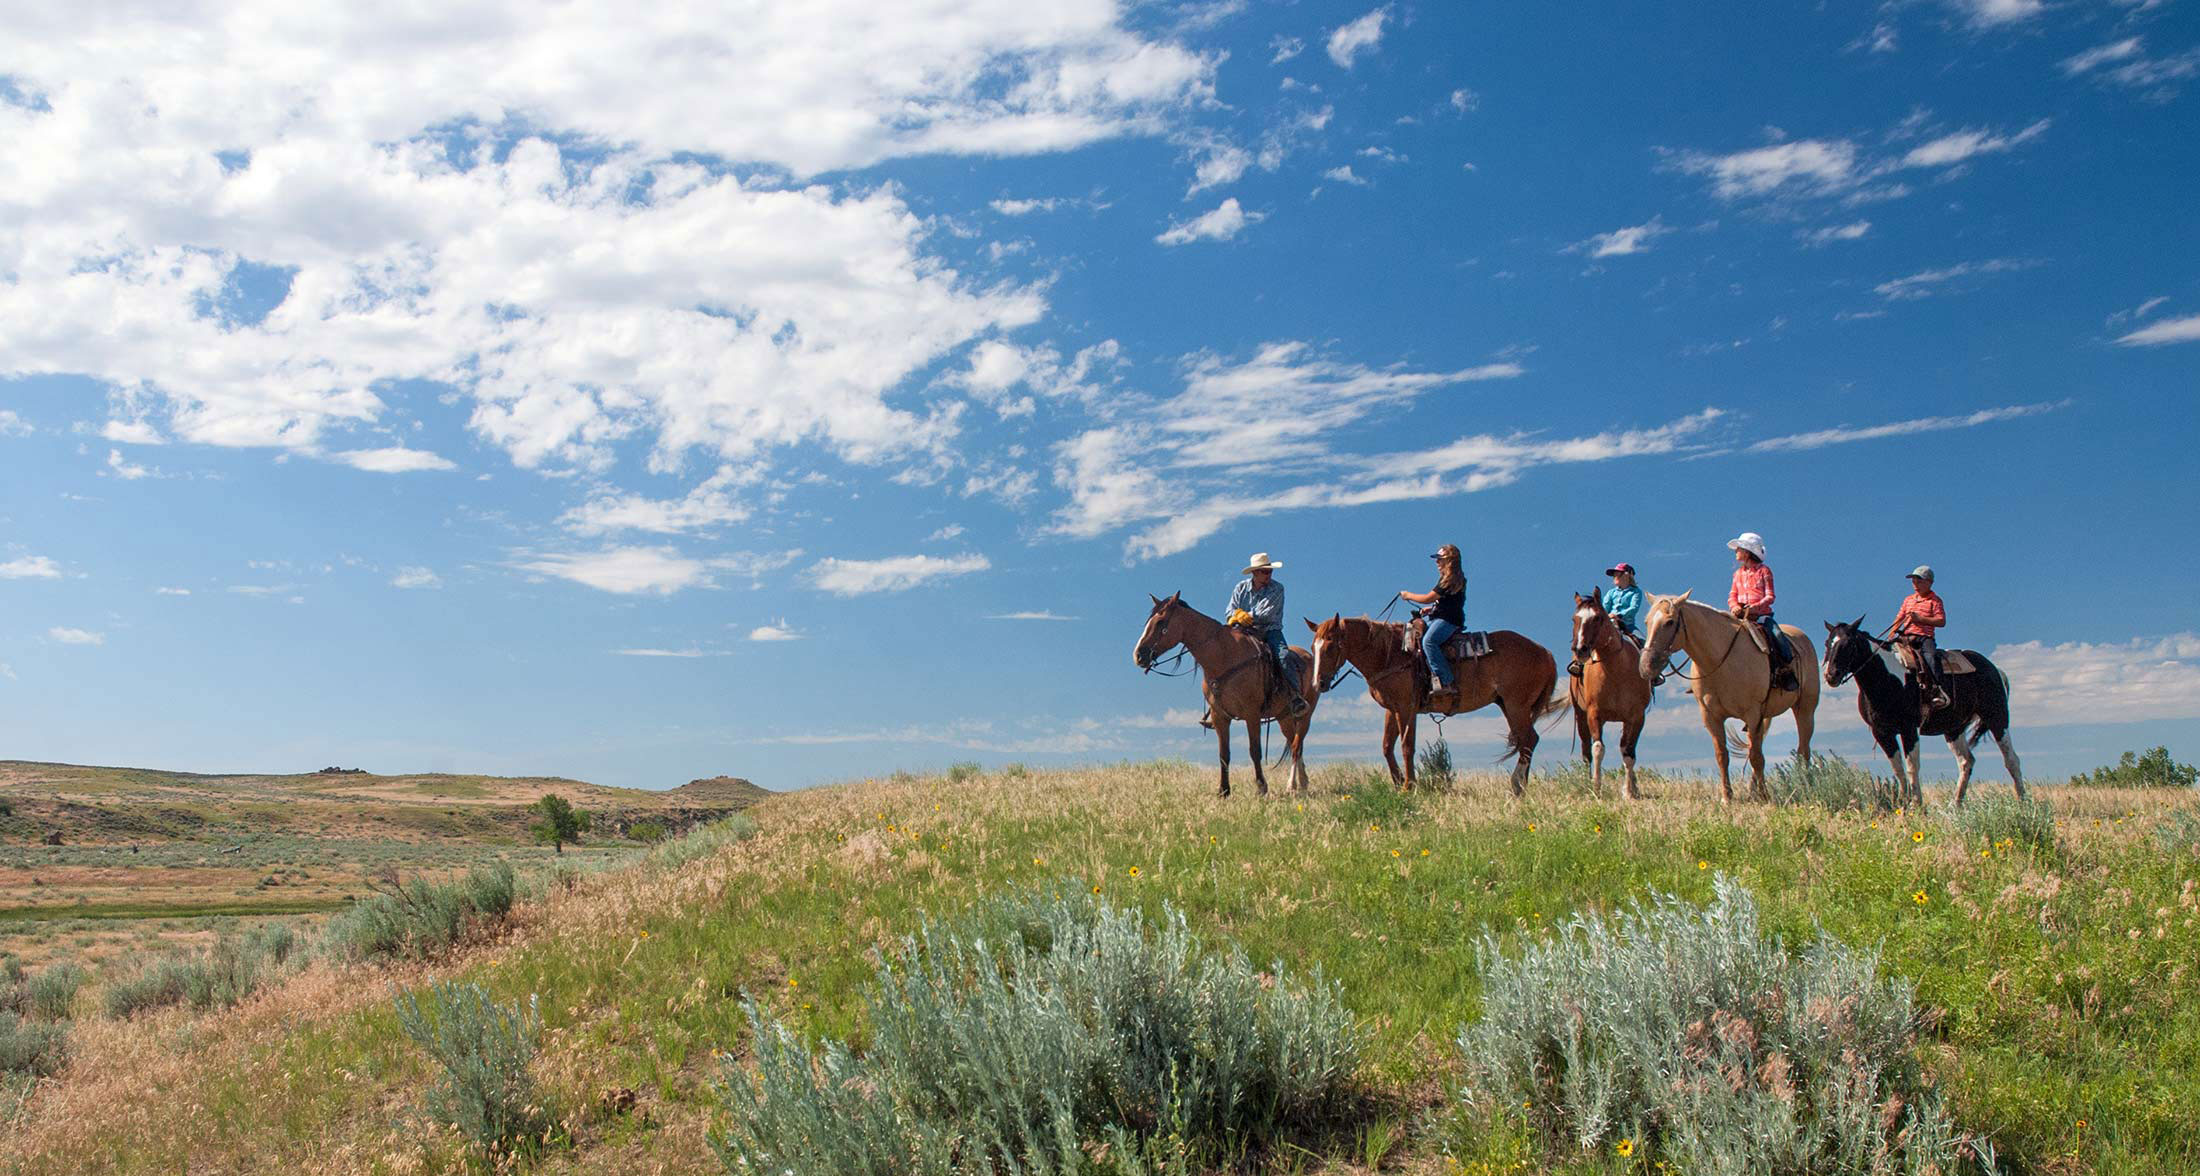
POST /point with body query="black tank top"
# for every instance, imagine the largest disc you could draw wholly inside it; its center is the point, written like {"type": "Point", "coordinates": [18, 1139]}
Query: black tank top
{"type": "Point", "coordinates": [1451, 606]}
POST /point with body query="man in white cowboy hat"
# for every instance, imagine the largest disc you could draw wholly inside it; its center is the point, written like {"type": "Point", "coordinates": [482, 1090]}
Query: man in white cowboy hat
{"type": "Point", "coordinates": [1750, 599]}
{"type": "Point", "coordinates": [1256, 606]}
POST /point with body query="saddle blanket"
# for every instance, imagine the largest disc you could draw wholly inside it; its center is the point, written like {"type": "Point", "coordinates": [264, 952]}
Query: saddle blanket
{"type": "Point", "coordinates": [1951, 661]}
{"type": "Point", "coordinates": [1471, 643]}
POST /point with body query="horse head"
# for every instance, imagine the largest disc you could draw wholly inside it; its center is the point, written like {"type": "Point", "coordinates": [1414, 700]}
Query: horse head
{"type": "Point", "coordinates": [1329, 655]}
{"type": "Point", "coordinates": [1155, 639]}
{"type": "Point", "coordinates": [1660, 629]}
{"type": "Point", "coordinates": [1589, 619]}
{"type": "Point", "coordinates": [1848, 647]}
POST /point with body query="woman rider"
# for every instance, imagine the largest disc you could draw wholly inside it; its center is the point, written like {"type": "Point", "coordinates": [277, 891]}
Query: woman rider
{"type": "Point", "coordinates": [1445, 620]}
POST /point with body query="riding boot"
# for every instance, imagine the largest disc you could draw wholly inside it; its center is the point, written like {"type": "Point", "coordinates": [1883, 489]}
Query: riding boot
{"type": "Point", "coordinates": [1783, 677]}
{"type": "Point", "coordinates": [1207, 718]}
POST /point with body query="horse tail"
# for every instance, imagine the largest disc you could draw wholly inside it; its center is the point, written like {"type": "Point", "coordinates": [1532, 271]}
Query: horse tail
{"type": "Point", "coordinates": [2007, 691]}
{"type": "Point", "coordinates": [1554, 705]}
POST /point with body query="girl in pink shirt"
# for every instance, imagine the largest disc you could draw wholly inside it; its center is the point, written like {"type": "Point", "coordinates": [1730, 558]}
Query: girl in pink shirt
{"type": "Point", "coordinates": [1750, 599]}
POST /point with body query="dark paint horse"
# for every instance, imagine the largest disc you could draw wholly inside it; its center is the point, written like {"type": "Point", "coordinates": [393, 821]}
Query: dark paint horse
{"type": "Point", "coordinates": [1234, 668]}
{"type": "Point", "coordinates": [1887, 698]}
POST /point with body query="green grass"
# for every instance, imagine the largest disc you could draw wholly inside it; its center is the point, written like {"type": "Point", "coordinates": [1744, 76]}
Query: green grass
{"type": "Point", "coordinates": [2059, 976]}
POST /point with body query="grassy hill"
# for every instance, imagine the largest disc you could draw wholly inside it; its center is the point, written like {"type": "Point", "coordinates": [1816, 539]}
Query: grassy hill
{"type": "Point", "coordinates": [2055, 962]}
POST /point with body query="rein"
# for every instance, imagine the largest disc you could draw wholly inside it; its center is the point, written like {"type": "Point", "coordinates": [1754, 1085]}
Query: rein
{"type": "Point", "coordinates": [1680, 618]}
{"type": "Point", "coordinates": [1171, 661]}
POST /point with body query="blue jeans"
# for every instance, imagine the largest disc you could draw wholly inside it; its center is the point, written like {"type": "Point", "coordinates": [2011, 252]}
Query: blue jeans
{"type": "Point", "coordinates": [1432, 648]}
{"type": "Point", "coordinates": [1783, 652]}
{"type": "Point", "coordinates": [1277, 648]}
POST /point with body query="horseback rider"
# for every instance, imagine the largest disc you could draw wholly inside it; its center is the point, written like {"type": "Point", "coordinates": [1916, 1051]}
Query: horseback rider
{"type": "Point", "coordinates": [1256, 606]}
{"type": "Point", "coordinates": [1750, 599]}
{"type": "Point", "coordinates": [1923, 612]}
{"type": "Point", "coordinates": [1446, 617]}
{"type": "Point", "coordinates": [1623, 603]}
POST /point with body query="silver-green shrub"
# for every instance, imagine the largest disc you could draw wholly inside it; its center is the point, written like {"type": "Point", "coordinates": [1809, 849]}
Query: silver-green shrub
{"type": "Point", "coordinates": [1995, 819]}
{"type": "Point", "coordinates": [2179, 833]}
{"type": "Point", "coordinates": [1692, 1033]}
{"type": "Point", "coordinates": [30, 1050]}
{"type": "Point", "coordinates": [420, 918]}
{"type": "Point", "coordinates": [155, 984]}
{"type": "Point", "coordinates": [701, 842]}
{"type": "Point", "coordinates": [50, 993]}
{"type": "Point", "coordinates": [1048, 1036]}
{"type": "Point", "coordinates": [1833, 784]}
{"type": "Point", "coordinates": [483, 1049]}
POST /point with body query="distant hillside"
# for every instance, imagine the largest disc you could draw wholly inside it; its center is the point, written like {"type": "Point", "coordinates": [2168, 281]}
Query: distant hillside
{"type": "Point", "coordinates": [718, 790]}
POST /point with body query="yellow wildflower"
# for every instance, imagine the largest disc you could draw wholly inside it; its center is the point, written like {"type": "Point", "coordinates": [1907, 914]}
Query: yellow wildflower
{"type": "Point", "coordinates": [1917, 835]}
{"type": "Point", "coordinates": [1626, 1148]}
{"type": "Point", "coordinates": [1134, 871]}
{"type": "Point", "coordinates": [1702, 864]}
{"type": "Point", "coordinates": [1919, 897]}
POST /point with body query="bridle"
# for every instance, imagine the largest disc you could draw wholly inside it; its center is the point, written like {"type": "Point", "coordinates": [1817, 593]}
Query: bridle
{"type": "Point", "coordinates": [1152, 663]}
{"type": "Point", "coordinates": [1680, 620]}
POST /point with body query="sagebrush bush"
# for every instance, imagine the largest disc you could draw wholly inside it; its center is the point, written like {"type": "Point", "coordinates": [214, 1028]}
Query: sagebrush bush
{"type": "Point", "coordinates": [964, 770]}
{"type": "Point", "coordinates": [2179, 833]}
{"type": "Point", "coordinates": [1371, 799]}
{"type": "Point", "coordinates": [1705, 1044]}
{"type": "Point", "coordinates": [1435, 768]}
{"type": "Point", "coordinates": [51, 993]}
{"type": "Point", "coordinates": [421, 918]}
{"type": "Point", "coordinates": [1832, 783]}
{"type": "Point", "coordinates": [702, 841]}
{"type": "Point", "coordinates": [1048, 1035]}
{"type": "Point", "coordinates": [155, 984]}
{"type": "Point", "coordinates": [2005, 818]}
{"type": "Point", "coordinates": [31, 1049]}
{"type": "Point", "coordinates": [483, 1049]}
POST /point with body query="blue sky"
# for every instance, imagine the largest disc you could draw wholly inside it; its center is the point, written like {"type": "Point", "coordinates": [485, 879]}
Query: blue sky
{"type": "Point", "coordinates": [805, 393]}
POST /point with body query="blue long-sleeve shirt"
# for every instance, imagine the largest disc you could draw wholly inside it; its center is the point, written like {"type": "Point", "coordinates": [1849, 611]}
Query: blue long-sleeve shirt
{"type": "Point", "coordinates": [1625, 604]}
{"type": "Point", "coordinates": [1266, 604]}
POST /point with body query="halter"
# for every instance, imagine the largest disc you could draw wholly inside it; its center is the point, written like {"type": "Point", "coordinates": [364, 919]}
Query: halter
{"type": "Point", "coordinates": [1680, 618]}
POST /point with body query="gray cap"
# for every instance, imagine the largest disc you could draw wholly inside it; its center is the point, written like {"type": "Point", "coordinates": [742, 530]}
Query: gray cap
{"type": "Point", "coordinates": [1923, 572]}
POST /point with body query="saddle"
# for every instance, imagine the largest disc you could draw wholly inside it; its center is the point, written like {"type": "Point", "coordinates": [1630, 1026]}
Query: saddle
{"type": "Point", "coordinates": [1469, 644]}
{"type": "Point", "coordinates": [1945, 661]}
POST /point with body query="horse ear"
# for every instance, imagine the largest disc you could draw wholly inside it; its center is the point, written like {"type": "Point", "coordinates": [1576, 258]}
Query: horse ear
{"type": "Point", "coordinates": [1829, 628]}
{"type": "Point", "coordinates": [1178, 598]}
{"type": "Point", "coordinates": [1860, 622]}
{"type": "Point", "coordinates": [1311, 626]}
{"type": "Point", "coordinates": [1336, 616]}
{"type": "Point", "coordinates": [1685, 595]}
{"type": "Point", "coordinates": [1156, 600]}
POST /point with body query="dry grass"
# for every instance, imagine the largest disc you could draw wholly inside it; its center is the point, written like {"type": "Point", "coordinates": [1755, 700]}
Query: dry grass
{"type": "Point", "coordinates": [639, 969]}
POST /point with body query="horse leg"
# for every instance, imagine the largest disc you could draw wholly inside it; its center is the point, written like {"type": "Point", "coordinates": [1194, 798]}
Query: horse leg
{"type": "Point", "coordinates": [1581, 727]}
{"type": "Point", "coordinates": [1222, 739]}
{"type": "Point", "coordinates": [1964, 761]}
{"type": "Point", "coordinates": [1297, 741]}
{"type": "Point", "coordinates": [2008, 745]}
{"type": "Point", "coordinates": [1524, 740]}
{"type": "Point", "coordinates": [1890, 747]}
{"type": "Point", "coordinates": [1917, 779]}
{"type": "Point", "coordinates": [1411, 721]}
{"type": "Point", "coordinates": [1629, 733]}
{"type": "Point", "coordinates": [1717, 727]}
{"type": "Point", "coordinates": [1806, 722]}
{"type": "Point", "coordinates": [1596, 758]}
{"type": "Point", "coordinates": [1252, 748]}
{"type": "Point", "coordinates": [1757, 789]}
{"type": "Point", "coordinates": [1390, 747]}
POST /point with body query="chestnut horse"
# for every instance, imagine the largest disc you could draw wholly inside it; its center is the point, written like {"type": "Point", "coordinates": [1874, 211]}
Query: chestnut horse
{"type": "Point", "coordinates": [1732, 679]}
{"type": "Point", "coordinates": [1611, 689]}
{"type": "Point", "coordinates": [1517, 674]}
{"type": "Point", "coordinates": [1235, 682]}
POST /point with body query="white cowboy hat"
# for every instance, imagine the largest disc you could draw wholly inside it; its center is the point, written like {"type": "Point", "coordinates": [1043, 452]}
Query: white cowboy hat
{"type": "Point", "coordinates": [1261, 561]}
{"type": "Point", "coordinates": [1749, 541]}
{"type": "Point", "coordinates": [1922, 572]}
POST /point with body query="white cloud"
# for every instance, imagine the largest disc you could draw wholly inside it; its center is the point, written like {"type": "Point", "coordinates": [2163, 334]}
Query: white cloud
{"type": "Point", "coordinates": [2108, 682]}
{"type": "Point", "coordinates": [12, 425]}
{"type": "Point", "coordinates": [1989, 13]}
{"type": "Point", "coordinates": [1465, 101]}
{"type": "Point", "coordinates": [1343, 174]}
{"type": "Point", "coordinates": [1351, 40]}
{"type": "Point", "coordinates": [624, 570]}
{"type": "Point", "coordinates": [2173, 330]}
{"type": "Point", "coordinates": [30, 567]}
{"type": "Point", "coordinates": [859, 577]}
{"type": "Point", "coordinates": [710, 504]}
{"type": "Point", "coordinates": [945, 533]}
{"type": "Point", "coordinates": [1621, 242]}
{"type": "Point", "coordinates": [126, 470]}
{"type": "Point", "coordinates": [2101, 55]}
{"type": "Point", "coordinates": [1962, 145]}
{"type": "Point", "coordinates": [1221, 224]}
{"type": "Point", "coordinates": [1926, 283]}
{"type": "Point", "coordinates": [2136, 313]}
{"type": "Point", "coordinates": [172, 591]}
{"type": "Point", "coordinates": [409, 577]}
{"type": "Point", "coordinates": [7, 671]}
{"type": "Point", "coordinates": [1383, 154]}
{"type": "Point", "coordinates": [1026, 207]}
{"type": "Point", "coordinates": [1841, 436]}
{"type": "Point", "coordinates": [1852, 231]}
{"type": "Point", "coordinates": [134, 432]}
{"type": "Point", "coordinates": [395, 459]}
{"type": "Point", "coordinates": [76, 636]}
{"type": "Point", "coordinates": [776, 631]}
{"type": "Point", "coordinates": [1804, 166]}
{"type": "Point", "coordinates": [1039, 615]}
{"type": "Point", "coordinates": [668, 653]}
{"type": "Point", "coordinates": [1285, 48]}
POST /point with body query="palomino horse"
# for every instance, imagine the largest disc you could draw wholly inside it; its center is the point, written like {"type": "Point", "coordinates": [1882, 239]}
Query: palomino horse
{"type": "Point", "coordinates": [1611, 689]}
{"type": "Point", "coordinates": [1733, 679]}
{"type": "Point", "coordinates": [1887, 698]}
{"type": "Point", "coordinates": [1236, 683]}
{"type": "Point", "coordinates": [1517, 675]}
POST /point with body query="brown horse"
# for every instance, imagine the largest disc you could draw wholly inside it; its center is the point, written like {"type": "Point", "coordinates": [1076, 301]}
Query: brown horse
{"type": "Point", "coordinates": [1611, 689]}
{"type": "Point", "coordinates": [1234, 667]}
{"type": "Point", "coordinates": [1733, 679]}
{"type": "Point", "coordinates": [1517, 675]}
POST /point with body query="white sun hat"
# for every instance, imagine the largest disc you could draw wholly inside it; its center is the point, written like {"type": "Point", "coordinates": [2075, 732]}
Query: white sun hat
{"type": "Point", "coordinates": [1922, 572]}
{"type": "Point", "coordinates": [1749, 541]}
{"type": "Point", "coordinates": [1261, 561]}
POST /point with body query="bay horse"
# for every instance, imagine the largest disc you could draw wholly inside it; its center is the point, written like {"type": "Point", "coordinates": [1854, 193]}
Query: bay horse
{"type": "Point", "coordinates": [1234, 681]}
{"type": "Point", "coordinates": [1611, 689]}
{"type": "Point", "coordinates": [1517, 674]}
{"type": "Point", "coordinates": [1733, 680]}
{"type": "Point", "coordinates": [1887, 698]}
